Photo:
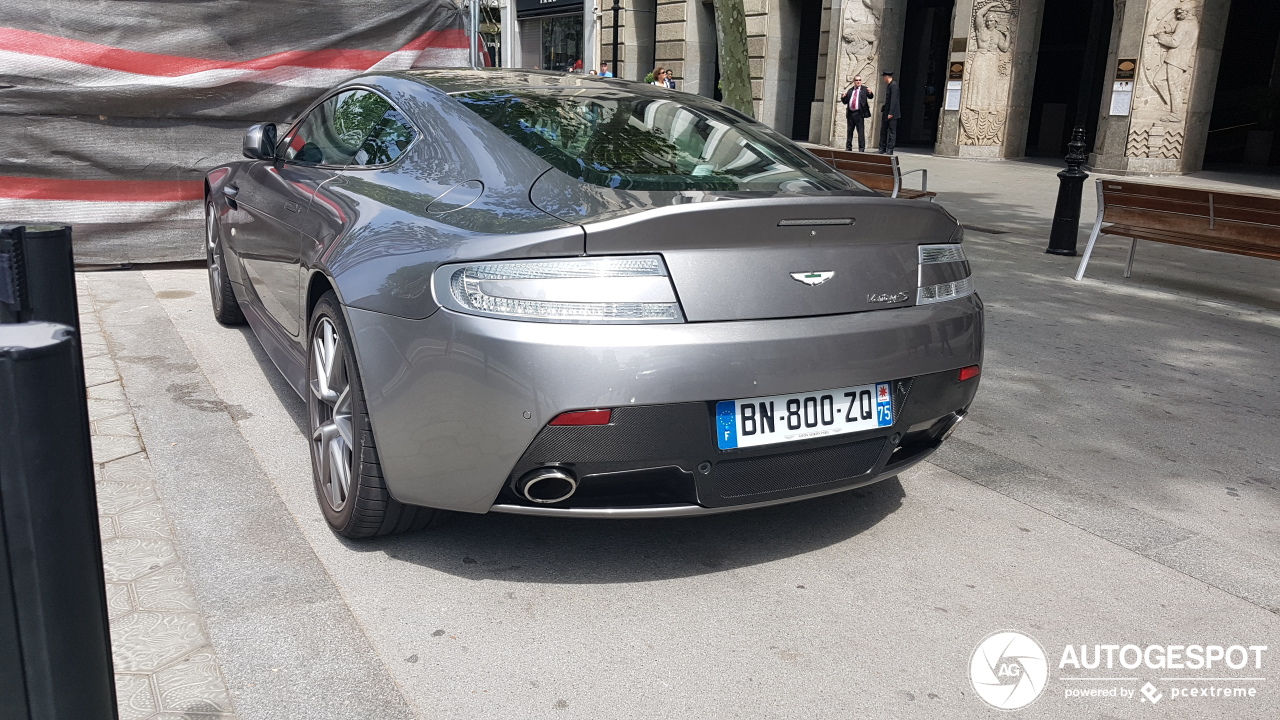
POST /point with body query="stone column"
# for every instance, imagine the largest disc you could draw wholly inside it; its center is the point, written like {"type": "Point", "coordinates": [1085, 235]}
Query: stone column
{"type": "Point", "coordinates": [511, 52]}
{"type": "Point", "coordinates": [698, 28]}
{"type": "Point", "coordinates": [636, 41]}
{"type": "Point", "coordinates": [590, 40]}
{"type": "Point", "coordinates": [779, 24]}
{"type": "Point", "coordinates": [757, 14]}
{"type": "Point", "coordinates": [867, 41]}
{"type": "Point", "coordinates": [997, 41]}
{"type": "Point", "coordinates": [1177, 45]}
{"type": "Point", "coordinates": [669, 45]}
{"type": "Point", "coordinates": [640, 37]}
{"type": "Point", "coordinates": [818, 128]}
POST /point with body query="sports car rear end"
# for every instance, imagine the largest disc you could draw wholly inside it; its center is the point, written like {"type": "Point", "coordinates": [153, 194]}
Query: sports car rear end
{"type": "Point", "coordinates": [741, 327]}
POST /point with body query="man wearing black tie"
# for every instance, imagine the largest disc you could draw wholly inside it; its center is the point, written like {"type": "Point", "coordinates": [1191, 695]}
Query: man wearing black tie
{"type": "Point", "coordinates": [890, 109]}
{"type": "Point", "coordinates": [856, 109]}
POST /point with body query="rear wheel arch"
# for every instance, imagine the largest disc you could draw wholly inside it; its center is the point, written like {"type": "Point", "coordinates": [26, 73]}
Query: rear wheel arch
{"type": "Point", "coordinates": [353, 494]}
{"type": "Point", "coordinates": [317, 286]}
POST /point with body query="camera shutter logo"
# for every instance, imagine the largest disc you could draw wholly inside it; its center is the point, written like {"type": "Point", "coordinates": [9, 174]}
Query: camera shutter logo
{"type": "Point", "coordinates": [1008, 670]}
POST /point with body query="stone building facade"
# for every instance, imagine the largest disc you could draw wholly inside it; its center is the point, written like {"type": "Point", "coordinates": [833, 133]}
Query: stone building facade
{"type": "Point", "coordinates": [980, 78]}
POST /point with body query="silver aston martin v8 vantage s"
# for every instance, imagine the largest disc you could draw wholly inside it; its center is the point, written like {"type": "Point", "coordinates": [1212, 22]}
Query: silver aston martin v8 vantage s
{"type": "Point", "coordinates": [563, 295]}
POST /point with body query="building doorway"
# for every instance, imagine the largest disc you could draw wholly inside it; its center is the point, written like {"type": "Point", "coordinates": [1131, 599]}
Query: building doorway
{"type": "Point", "coordinates": [1056, 98]}
{"type": "Point", "coordinates": [562, 43]}
{"type": "Point", "coordinates": [1245, 122]}
{"type": "Point", "coordinates": [551, 34]}
{"type": "Point", "coordinates": [808, 40]}
{"type": "Point", "coordinates": [926, 42]}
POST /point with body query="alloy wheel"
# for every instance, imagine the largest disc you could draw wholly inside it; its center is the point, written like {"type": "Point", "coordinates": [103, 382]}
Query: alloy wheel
{"type": "Point", "coordinates": [331, 426]}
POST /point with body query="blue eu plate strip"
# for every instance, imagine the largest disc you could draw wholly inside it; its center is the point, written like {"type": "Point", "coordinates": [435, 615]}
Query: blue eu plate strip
{"type": "Point", "coordinates": [726, 424]}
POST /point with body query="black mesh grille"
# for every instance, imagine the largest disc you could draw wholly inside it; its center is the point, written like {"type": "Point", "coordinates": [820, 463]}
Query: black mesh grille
{"type": "Point", "coordinates": [736, 481]}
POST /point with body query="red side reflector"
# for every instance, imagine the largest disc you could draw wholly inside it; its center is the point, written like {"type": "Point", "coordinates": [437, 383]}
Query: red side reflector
{"type": "Point", "coordinates": [583, 417]}
{"type": "Point", "coordinates": [969, 372]}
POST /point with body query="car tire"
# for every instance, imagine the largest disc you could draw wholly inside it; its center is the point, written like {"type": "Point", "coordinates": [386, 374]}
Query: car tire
{"type": "Point", "coordinates": [344, 456]}
{"type": "Point", "coordinates": [226, 309]}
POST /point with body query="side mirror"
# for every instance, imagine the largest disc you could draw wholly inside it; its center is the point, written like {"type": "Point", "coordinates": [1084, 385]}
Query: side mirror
{"type": "Point", "coordinates": [260, 142]}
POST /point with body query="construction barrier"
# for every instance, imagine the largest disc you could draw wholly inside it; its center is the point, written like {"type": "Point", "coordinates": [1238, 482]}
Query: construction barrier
{"type": "Point", "coordinates": [110, 119]}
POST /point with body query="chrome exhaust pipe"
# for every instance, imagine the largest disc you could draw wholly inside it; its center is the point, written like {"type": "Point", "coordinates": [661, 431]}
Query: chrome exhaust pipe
{"type": "Point", "coordinates": [954, 424]}
{"type": "Point", "coordinates": [546, 486]}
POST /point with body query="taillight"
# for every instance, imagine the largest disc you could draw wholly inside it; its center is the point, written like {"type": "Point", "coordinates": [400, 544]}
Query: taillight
{"type": "Point", "coordinates": [953, 264]}
{"type": "Point", "coordinates": [583, 417]}
{"type": "Point", "coordinates": [621, 289]}
{"type": "Point", "coordinates": [969, 372]}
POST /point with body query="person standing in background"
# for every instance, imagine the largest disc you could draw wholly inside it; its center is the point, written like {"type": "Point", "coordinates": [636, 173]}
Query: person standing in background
{"type": "Point", "coordinates": [857, 108]}
{"type": "Point", "coordinates": [604, 70]}
{"type": "Point", "coordinates": [670, 79]}
{"type": "Point", "coordinates": [659, 76]}
{"type": "Point", "coordinates": [890, 109]}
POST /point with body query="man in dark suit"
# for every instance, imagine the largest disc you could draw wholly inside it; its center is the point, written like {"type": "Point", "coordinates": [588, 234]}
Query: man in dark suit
{"type": "Point", "coordinates": [857, 108]}
{"type": "Point", "coordinates": [890, 110]}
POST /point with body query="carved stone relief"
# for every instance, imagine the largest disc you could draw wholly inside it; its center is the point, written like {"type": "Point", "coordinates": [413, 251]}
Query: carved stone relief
{"type": "Point", "coordinates": [859, 38]}
{"type": "Point", "coordinates": [1158, 127]}
{"type": "Point", "coordinates": [987, 73]}
{"type": "Point", "coordinates": [859, 52]}
{"type": "Point", "coordinates": [1155, 141]}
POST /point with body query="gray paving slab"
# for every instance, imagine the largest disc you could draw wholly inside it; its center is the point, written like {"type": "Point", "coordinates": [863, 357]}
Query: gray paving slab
{"type": "Point", "coordinates": [865, 604]}
{"type": "Point", "coordinates": [289, 645]}
{"type": "Point", "coordinates": [161, 654]}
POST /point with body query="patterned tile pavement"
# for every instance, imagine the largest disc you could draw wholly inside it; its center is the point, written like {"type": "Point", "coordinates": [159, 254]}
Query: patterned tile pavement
{"type": "Point", "coordinates": [165, 667]}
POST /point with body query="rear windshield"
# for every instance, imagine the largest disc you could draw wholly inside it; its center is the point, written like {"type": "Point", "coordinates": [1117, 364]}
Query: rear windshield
{"type": "Point", "coordinates": [620, 140]}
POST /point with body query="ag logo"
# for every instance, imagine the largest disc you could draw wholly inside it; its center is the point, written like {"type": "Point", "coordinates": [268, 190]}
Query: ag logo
{"type": "Point", "coordinates": [1008, 670]}
{"type": "Point", "coordinates": [813, 277]}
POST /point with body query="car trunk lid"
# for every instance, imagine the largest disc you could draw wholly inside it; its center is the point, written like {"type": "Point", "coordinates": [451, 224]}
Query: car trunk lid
{"type": "Point", "coordinates": [733, 257]}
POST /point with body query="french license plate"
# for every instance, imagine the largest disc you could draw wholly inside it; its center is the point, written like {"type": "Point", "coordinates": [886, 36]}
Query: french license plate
{"type": "Point", "coordinates": [785, 418]}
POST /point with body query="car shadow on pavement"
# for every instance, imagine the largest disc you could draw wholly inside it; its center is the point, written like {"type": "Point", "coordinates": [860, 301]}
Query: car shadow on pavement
{"type": "Point", "coordinates": [519, 548]}
{"type": "Point", "coordinates": [289, 400]}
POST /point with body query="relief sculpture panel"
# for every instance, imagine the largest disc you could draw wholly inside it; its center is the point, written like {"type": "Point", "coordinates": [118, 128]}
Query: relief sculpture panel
{"type": "Point", "coordinates": [860, 24]}
{"type": "Point", "coordinates": [1158, 127]}
{"type": "Point", "coordinates": [988, 72]}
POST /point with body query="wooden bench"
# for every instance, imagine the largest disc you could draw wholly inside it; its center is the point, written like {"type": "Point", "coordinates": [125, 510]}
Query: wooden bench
{"type": "Point", "coordinates": [878, 172]}
{"type": "Point", "coordinates": [1229, 222]}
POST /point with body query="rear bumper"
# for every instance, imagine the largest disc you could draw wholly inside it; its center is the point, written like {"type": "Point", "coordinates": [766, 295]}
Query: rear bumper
{"type": "Point", "coordinates": [457, 400]}
{"type": "Point", "coordinates": [687, 509]}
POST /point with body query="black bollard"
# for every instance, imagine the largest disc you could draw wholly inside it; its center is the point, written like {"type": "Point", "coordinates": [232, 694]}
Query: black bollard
{"type": "Point", "coordinates": [55, 644]}
{"type": "Point", "coordinates": [54, 597]}
{"type": "Point", "coordinates": [1066, 214]}
{"type": "Point", "coordinates": [41, 285]}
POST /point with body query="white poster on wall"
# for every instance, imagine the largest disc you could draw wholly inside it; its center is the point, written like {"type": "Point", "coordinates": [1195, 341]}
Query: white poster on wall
{"type": "Point", "coordinates": [1121, 97]}
{"type": "Point", "coordinates": [953, 95]}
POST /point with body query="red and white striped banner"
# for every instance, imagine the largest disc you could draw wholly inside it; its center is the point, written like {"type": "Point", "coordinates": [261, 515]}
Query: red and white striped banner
{"type": "Point", "coordinates": [90, 65]}
{"type": "Point", "coordinates": [111, 118]}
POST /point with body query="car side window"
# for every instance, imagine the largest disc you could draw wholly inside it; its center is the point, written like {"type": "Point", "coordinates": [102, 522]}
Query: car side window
{"type": "Point", "coordinates": [334, 130]}
{"type": "Point", "coordinates": [389, 139]}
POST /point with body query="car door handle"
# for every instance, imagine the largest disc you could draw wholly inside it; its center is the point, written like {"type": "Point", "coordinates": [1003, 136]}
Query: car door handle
{"type": "Point", "coordinates": [230, 190]}
{"type": "Point", "coordinates": [292, 206]}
